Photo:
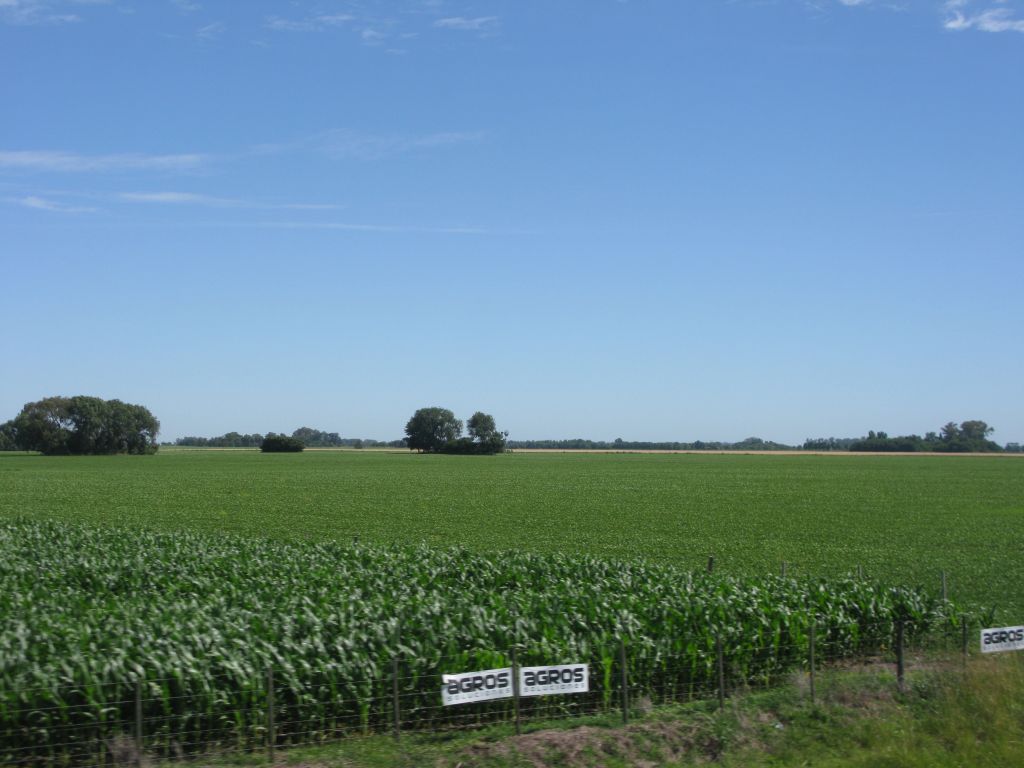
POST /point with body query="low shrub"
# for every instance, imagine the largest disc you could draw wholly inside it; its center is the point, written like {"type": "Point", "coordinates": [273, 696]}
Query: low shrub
{"type": "Point", "coordinates": [281, 444]}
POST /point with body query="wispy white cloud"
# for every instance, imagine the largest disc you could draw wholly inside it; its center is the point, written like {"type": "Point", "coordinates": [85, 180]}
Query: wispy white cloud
{"type": "Point", "coordinates": [354, 227]}
{"type": "Point", "coordinates": [344, 144]}
{"type": "Point", "coordinates": [57, 161]}
{"type": "Point", "coordinates": [998, 18]}
{"type": "Point", "coordinates": [186, 6]}
{"type": "Point", "coordinates": [477, 24]}
{"type": "Point", "coordinates": [339, 144]}
{"type": "Point", "coordinates": [349, 145]}
{"type": "Point", "coordinates": [308, 23]}
{"type": "Point", "coordinates": [210, 32]}
{"type": "Point", "coordinates": [36, 12]}
{"type": "Point", "coordinates": [211, 201]}
{"type": "Point", "coordinates": [43, 160]}
{"type": "Point", "coordinates": [177, 198]}
{"type": "Point", "coordinates": [26, 12]}
{"type": "Point", "coordinates": [42, 204]}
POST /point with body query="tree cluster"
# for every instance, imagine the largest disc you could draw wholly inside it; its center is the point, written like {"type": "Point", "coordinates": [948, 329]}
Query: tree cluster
{"type": "Point", "coordinates": [436, 430]}
{"type": "Point", "coordinates": [273, 443]}
{"type": "Point", "coordinates": [314, 438]}
{"type": "Point", "coordinates": [81, 425]}
{"type": "Point", "coordinates": [966, 437]}
{"type": "Point", "coordinates": [8, 436]}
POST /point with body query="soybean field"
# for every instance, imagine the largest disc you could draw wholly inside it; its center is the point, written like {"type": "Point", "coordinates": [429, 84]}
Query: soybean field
{"type": "Point", "coordinates": [901, 519]}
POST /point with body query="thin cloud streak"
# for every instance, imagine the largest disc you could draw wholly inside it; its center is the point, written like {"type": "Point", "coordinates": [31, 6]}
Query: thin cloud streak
{"type": "Point", "coordinates": [477, 24]}
{"type": "Point", "coordinates": [339, 144]}
{"type": "Point", "coordinates": [210, 32]}
{"type": "Point", "coordinates": [42, 204]}
{"type": "Point", "coordinates": [28, 12]}
{"type": "Point", "coordinates": [345, 144]}
{"type": "Point", "coordinates": [211, 201]}
{"type": "Point", "coordinates": [69, 162]}
{"type": "Point", "coordinates": [1001, 19]}
{"type": "Point", "coordinates": [353, 227]}
{"type": "Point", "coordinates": [309, 24]}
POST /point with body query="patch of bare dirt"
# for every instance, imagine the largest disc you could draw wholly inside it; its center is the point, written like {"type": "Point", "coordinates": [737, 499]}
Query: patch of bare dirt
{"type": "Point", "coordinates": [645, 745]}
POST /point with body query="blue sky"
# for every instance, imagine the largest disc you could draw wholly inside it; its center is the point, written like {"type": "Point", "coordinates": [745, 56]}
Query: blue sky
{"type": "Point", "coordinates": [649, 219]}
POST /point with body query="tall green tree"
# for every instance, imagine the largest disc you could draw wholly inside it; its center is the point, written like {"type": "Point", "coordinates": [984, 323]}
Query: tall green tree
{"type": "Point", "coordinates": [85, 425]}
{"type": "Point", "coordinates": [8, 436]}
{"type": "Point", "coordinates": [430, 428]}
{"type": "Point", "coordinates": [485, 434]}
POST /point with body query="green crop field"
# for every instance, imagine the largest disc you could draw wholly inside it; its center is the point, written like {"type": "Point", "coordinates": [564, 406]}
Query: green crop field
{"type": "Point", "coordinates": [197, 619]}
{"type": "Point", "coordinates": [903, 519]}
{"type": "Point", "coordinates": [164, 587]}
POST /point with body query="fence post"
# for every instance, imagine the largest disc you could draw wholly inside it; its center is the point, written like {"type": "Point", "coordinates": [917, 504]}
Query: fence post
{"type": "Point", "coordinates": [721, 671]}
{"type": "Point", "coordinates": [964, 648]}
{"type": "Point", "coordinates": [624, 681]}
{"type": "Point", "coordinates": [395, 706]}
{"type": "Point", "coordinates": [944, 593]}
{"type": "Point", "coordinates": [711, 563]}
{"type": "Point", "coordinates": [783, 569]}
{"type": "Point", "coordinates": [271, 735]}
{"type": "Point", "coordinates": [138, 722]}
{"type": "Point", "coordinates": [899, 656]}
{"type": "Point", "coordinates": [515, 690]}
{"type": "Point", "coordinates": [810, 654]}
{"type": "Point", "coordinates": [860, 572]}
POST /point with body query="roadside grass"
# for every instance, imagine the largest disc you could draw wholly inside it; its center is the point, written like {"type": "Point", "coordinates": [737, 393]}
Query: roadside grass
{"type": "Point", "coordinates": [950, 715]}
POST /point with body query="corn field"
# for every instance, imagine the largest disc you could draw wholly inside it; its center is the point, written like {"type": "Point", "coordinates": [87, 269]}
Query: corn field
{"type": "Point", "coordinates": [98, 621]}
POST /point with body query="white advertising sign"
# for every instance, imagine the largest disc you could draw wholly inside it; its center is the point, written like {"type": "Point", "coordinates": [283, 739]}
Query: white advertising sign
{"type": "Point", "coordinates": [1002, 639]}
{"type": "Point", "coordinates": [548, 681]}
{"type": "Point", "coordinates": [476, 686]}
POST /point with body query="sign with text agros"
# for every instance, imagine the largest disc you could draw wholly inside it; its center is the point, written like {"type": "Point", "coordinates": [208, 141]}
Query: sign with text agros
{"type": "Point", "coordinates": [476, 686]}
{"type": "Point", "coordinates": [548, 681]}
{"type": "Point", "coordinates": [491, 684]}
{"type": "Point", "coordinates": [1002, 639]}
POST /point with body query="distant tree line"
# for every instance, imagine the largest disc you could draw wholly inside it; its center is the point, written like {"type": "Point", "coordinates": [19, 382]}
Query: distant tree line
{"type": "Point", "coordinates": [579, 444]}
{"type": "Point", "coordinates": [966, 437]}
{"type": "Point", "coordinates": [229, 440]}
{"type": "Point", "coordinates": [81, 425]}
{"type": "Point", "coordinates": [828, 443]}
{"type": "Point", "coordinates": [310, 438]}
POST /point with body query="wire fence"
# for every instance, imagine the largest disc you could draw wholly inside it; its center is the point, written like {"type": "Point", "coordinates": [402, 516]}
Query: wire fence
{"type": "Point", "coordinates": [150, 719]}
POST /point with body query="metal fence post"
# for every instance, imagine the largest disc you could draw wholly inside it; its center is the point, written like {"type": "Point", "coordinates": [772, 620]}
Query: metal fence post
{"type": "Point", "coordinates": [271, 734]}
{"type": "Point", "coordinates": [624, 681]}
{"type": "Point", "coordinates": [395, 706]}
{"type": "Point", "coordinates": [944, 592]}
{"type": "Point", "coordinates": [899, 656]}
{"type": "Point", "coordinates": [711, 563]}
{"type": "Point", "coordinates": [783, 569]}
{"type": "Point", "coordinates": [721, 671]}
{"type": "Point", "coordinates": [964, 648]}
{"type": "Point", "coordinates": [138, 722]}
{"type": "Point", "coordinates": [515, 690]}
{"type": "Point", "coordinates": [810, 654]}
